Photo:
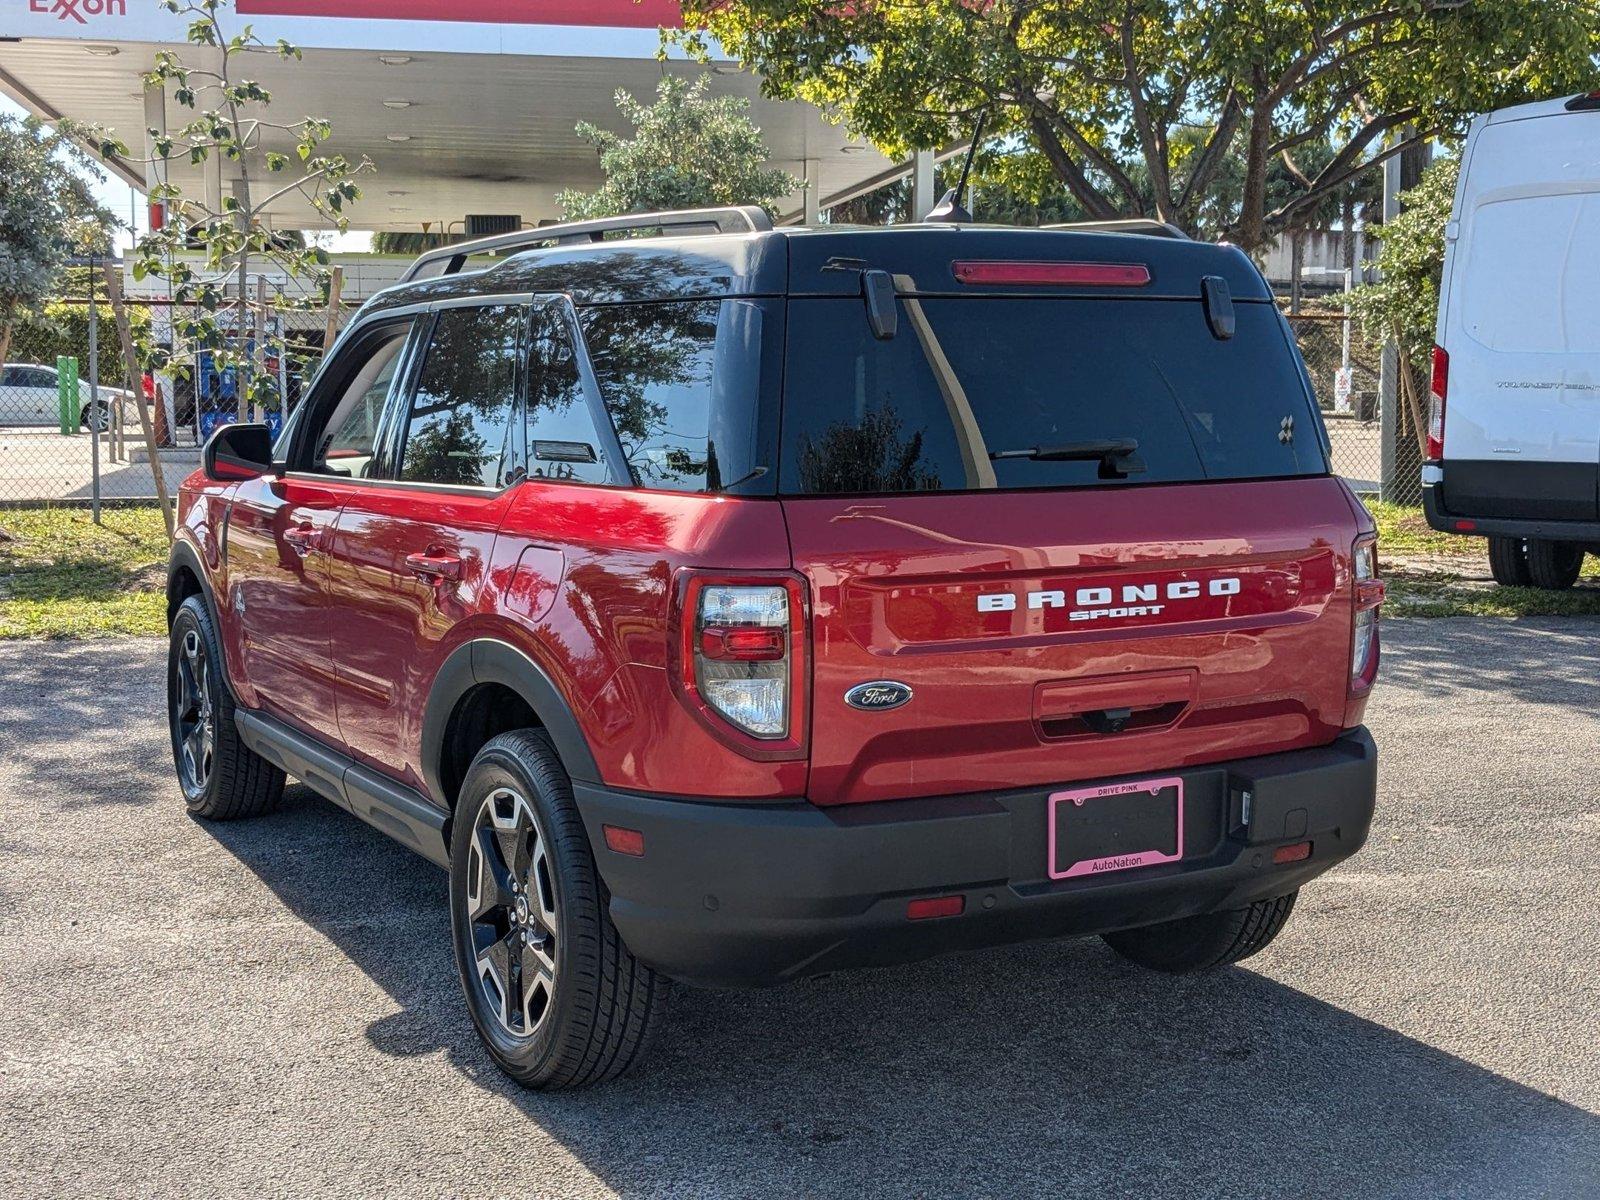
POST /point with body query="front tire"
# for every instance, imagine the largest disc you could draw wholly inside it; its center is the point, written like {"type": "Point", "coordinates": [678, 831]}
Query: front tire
{"type": "Point", "coordinates": [1206, 942]}
{"type": "Point", "coordinates": [1508, 562]}
{"type": "Point", "coordinates": [1554, 566]}
{"type": "Point", "coordinates": [555, 995]}
{"type": "Point", "coordinates": [222, 778]}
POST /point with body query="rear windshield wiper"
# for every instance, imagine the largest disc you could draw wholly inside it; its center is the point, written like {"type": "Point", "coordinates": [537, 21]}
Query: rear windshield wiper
{"type": "Point", "coordinates": [1118, 457]}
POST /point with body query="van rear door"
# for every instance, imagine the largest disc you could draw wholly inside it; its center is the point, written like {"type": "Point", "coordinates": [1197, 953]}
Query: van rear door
{"type": "Point", "coordinates": [1518, 320]}
{"type": "Point", "coordinates": [1057, 613]}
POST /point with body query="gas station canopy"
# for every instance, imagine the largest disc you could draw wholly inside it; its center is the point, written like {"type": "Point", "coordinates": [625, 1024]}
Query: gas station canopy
{"type": "Point", "coordinates": [466, 107]}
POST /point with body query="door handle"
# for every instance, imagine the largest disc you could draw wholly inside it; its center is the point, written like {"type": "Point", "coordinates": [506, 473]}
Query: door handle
{"type": "Point", "coordinates": [434, 568]}
{"type": "Point", "coordinates": [303, 538]}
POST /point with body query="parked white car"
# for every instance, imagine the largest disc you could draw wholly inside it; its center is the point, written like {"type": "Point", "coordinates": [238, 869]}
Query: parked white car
{"type": "Point", "coordinates": [1514, 437]}
{"type": "Point", "coordinates": [29, 395]}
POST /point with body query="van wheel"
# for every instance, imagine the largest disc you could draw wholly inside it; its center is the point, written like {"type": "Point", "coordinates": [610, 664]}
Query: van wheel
{"type": "Point", "coordinates": [1508, 562]}
{"type": "Point", "coordinates": [1554, 565]}
{"type": "Point", "coordinates": [222, 778]}
{"type": "Point", "coordinates": [1202, 943]}
{"type": "Point", "coordinates": [556, 997]}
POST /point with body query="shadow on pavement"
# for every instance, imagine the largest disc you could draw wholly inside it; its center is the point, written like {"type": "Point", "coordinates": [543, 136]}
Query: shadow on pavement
{"type": "Point", "coordinates": [1446, 654]}
{"type": "Point", "coordinates": [1053, 1069]}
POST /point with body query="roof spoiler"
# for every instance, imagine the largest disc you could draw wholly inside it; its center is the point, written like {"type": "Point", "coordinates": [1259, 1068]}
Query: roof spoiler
{"type": "Point", "coordinates": [449, 260]}
{"type": "Point", "coordinates": [1587, 101]}
{"type": "Point", "coordinates": [1142, 225]}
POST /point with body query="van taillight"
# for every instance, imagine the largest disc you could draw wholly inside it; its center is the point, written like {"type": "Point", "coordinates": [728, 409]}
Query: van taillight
{"type": "Point", "coordinates": [742, 653]}
{"type": "Point", "coordinates": [1369, 593]}
{"type": "Point", "coordinates": [1438, 388]}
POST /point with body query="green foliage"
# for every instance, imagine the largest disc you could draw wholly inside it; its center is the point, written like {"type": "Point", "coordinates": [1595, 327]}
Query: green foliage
{"type": "Point", "coordinates": [1175, 109]}
{"type": "Point", "coordinates": [688, 150]}
{"type": "Point", "coordinates": [59, 328]}
{"type": "Point", "coordinates": [48, 212]}
{"type": "Point", "coordinates": [1405, 302]}
{"type": "Point", "coordinates": [273, 162]}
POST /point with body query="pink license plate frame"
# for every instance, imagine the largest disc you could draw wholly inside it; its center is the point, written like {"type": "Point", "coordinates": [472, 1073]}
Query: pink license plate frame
{"type": "Point", "coordinates": [1113, 862]}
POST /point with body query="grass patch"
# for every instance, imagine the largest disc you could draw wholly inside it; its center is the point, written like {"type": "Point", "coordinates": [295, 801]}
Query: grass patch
{"type": "Point", "coordinates": [1402, 529]}
{"type": "Point", "coordinates": [1439, 594]}
{"type": "Point", "coordinates": [63, 576]}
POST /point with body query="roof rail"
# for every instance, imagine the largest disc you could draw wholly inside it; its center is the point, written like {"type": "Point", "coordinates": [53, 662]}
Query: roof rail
{"type": "Point", "coordinates": [1142, 225]}
{"type": "Point", "coordinates": [449, 260]}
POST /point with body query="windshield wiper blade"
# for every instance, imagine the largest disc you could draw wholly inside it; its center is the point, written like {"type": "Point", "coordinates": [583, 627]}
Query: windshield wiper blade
{"type": "Point", "coordinates": [1118, 457]}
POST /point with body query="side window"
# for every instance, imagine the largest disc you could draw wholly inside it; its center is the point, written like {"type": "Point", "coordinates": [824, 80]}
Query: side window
{"type": "Point", "coordinates": [563, 442]}
{"type": "Point", "coordinates": [654, 366]}
{"type": "Point", "coordinates": [459, 430]}
{"type": "Point", "coordinates": [347, 444]}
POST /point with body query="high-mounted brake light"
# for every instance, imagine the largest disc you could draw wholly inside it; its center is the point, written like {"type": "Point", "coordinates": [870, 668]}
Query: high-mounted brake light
{"type": "Point", "coordinates": [1438, 389]}
{"type": "Point", "coordinates": [1047, 274]}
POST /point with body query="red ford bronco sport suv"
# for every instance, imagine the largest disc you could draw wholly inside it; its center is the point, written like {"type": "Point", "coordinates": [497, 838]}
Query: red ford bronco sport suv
{"type": "Point", "coordinates": [741, 604]}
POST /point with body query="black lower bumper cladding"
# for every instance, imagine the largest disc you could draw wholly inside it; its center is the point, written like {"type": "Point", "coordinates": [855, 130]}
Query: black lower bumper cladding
{"type": "Point", "coordinates": [756, 894]}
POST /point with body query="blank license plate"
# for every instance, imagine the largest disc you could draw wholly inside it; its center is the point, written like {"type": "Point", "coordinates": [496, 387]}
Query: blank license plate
{"type": "Point", "coordinates": [1097, 830]}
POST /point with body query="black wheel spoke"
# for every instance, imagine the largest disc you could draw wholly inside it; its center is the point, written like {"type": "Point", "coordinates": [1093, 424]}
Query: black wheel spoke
{"type": "Point", "coordinates": [493, 881]}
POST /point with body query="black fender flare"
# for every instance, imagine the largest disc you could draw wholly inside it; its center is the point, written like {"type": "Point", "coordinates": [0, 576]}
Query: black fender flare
{"type": "Point", "coordinates": [489, 660]}
{"type": "Point", "coordinates": [185, 557]}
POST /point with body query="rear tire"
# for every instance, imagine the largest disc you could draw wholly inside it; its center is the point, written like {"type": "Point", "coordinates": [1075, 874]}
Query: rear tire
{"type": "Point", "coordinates": [1205, 942]}
{"type": "Point", "coordinates": [1508, 562]}
{"type": "Point", "coordinates": [1554, 565]}
{"type": "Point", "coordinates": [222, 778]}
{"type": "Point", "coordinates": [555, 995]}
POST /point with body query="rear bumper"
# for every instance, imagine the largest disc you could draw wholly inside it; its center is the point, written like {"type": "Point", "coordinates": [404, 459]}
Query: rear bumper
{"type": "Point", "coordinates": [750, 895]}
{"type": "Point", "coordinates": [1540, 529]}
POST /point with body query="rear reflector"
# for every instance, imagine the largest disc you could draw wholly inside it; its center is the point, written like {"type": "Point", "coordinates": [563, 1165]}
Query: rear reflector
{"type": "Point", "coordinates": [1466, 526]}
{"type": "Point", "coordinates": [743, 643]}
{"type": "Point", "coordinates": [624, 841]}
{"type": "Point", "coordinates": [1298, 852]}
{"type": "Point", "coordinates": [936, 906]}
{"type": "Point", "coordinates": [1046, 274]}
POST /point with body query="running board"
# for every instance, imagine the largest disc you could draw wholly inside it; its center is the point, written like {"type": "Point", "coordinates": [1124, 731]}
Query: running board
{"type": "Point", "coordinates": [387, 806]}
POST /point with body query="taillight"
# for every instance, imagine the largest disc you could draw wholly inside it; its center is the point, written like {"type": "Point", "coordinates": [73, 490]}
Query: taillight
{"type": "Point", "coordinates": [1046, 274]}
{"type": "Point", "coordinates": [1368, 597]}
{"type": "Point", "coordinates": [1438, 388]}
{"type": "Point", "coordinates": [742, 654]}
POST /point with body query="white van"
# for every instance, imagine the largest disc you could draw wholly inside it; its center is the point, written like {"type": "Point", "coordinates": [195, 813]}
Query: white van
{"type": "Point", "coordinates": [1514, 431]}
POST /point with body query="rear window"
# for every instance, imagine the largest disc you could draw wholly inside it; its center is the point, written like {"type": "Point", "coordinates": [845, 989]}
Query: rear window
{"type": "Point", "coordinates": [965, 380]}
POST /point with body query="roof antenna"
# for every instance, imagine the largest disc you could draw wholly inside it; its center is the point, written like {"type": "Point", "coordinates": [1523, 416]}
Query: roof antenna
{"type": "Point", "coordinates": [949, 210]}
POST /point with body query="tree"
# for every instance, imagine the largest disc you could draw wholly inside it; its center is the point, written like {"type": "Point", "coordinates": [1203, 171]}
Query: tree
{"type": "Point", "coordinates": [274, 162]}
{"type": "Point", "coordinates": [1138, 106]}
{"type": "Point", "coordinates": [48, 213]}
{"type": "Point", "coordinates": [688, 150]}
{"type": "Point", "coordinates": [1404, 303]}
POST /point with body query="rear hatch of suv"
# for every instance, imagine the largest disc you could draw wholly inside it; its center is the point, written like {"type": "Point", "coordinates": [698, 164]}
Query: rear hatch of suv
{"type": "Point", "coordinates": [1069, 503]}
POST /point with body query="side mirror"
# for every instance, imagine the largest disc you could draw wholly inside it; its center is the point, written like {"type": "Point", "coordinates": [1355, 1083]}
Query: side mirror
{"type": "Point", "coordinates": [238, 452]}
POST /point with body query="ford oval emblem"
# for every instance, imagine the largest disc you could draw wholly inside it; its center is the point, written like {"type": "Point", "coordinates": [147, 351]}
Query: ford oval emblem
{"type": "Point", "coordinates": [878, 696]}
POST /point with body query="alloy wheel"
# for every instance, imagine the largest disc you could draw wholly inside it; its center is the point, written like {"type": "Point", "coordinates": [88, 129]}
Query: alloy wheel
{"type": "Point", "coordinates": [511, 912]}
{"type": "Point", "coordinates": [194, 718]}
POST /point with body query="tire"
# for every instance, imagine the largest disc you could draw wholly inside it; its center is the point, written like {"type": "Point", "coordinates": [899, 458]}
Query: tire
{"type": "Point", "coordinates": [1554, 565]}
{"type": "Point", "coordinates": [1508, 562]}
{"type": "Point", "coordinates": [95, 417]}
{"type": "Point", "coordinates": [222, 778]}
{"type": "Point", "coordinates": [1205, 942]}
{"type": "Point", "coordinates": [556, 997]}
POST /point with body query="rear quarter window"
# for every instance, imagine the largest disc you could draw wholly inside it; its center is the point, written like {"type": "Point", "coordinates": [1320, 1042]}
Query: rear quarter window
{"type": "Point", "coordinates": [869, 416]}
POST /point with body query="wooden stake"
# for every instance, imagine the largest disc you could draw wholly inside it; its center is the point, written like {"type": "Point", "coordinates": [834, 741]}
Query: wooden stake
{"type": "Point", "coordinates": [131, 360]}
{"type": "Point", "coordinates": [335, 292]}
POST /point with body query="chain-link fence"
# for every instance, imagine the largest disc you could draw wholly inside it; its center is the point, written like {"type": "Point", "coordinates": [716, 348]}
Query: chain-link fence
{"type": "Point", "coordinates": [1346, 374]}
{"type": "Point", "coordinates": [71, 426]}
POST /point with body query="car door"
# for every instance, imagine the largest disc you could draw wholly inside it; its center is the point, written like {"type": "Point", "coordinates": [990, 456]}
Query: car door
{"type": "Point", "coordinates": [410, 556]}
{"type": "Point", "coordinates": [28, 396]}
{"type": "Point", "coordinates": [279, 528]}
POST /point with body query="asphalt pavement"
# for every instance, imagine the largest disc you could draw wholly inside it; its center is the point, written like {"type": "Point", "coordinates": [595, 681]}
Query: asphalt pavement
{"type": "Point", "coordinates": [269, 1008]}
